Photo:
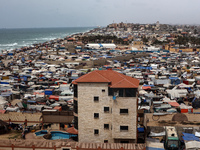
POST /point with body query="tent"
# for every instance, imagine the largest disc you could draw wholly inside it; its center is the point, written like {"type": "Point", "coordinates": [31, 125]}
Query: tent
{"type": "Point", "coordinates": [189, 137]}
{"type": "Point", "coordinates": [192, 145]}
{"type": "Point", "coordinates": [154, 146]}
{"type": "Point", "coordinates": [72, 130]}
{"type": "Point", "coordinates": [2, 102]}
{"type": "Point", "coordinates": [174, 104]}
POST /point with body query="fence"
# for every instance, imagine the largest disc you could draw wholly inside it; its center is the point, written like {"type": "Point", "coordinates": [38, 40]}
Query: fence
{"type": "Point", "coordinates": [99, 148]}
{"type": "Point", "coordinates": [33, 147]}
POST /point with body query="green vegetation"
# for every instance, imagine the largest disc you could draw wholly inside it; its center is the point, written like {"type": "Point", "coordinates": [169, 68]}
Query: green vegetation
{"type": "Point", "coordinates": [103, 39]}
{"type": "Point", "coordinates": [182, 40]}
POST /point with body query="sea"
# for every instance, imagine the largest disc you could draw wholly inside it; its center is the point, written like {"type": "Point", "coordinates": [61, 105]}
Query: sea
{"type": "Point", "coordinates": [21, 37]}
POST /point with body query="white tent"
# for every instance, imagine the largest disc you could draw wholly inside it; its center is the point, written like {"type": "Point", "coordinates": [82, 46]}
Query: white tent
{"type": "Point", "coordinates": [197, 93]}
{"type": "Point", "coordinates": [192, 145]}
{"type": "Point", "coordinates": [15, 109]}
{"type": "Point", "coordinates": [2, 103]}
{"type": "Point", "coordinates": [142, 92]}
{"type": "Point", "coordinates": [195, 61]}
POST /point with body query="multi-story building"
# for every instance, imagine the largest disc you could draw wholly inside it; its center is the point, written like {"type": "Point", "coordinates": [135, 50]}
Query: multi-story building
{"type": "Point", "coordinates": [105, 107]}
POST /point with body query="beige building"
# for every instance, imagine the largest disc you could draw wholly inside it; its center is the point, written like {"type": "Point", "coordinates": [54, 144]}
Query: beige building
{"type": "Point", "coordinates": [105, 107]}
{"type": "Point", "coordinates": [138, 42]}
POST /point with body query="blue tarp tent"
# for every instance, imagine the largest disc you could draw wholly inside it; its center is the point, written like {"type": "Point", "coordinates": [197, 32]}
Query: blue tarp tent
{"type": "Point", "coordinates": [154, 148]}
{"type": "Point", "coordinates": [23, 78]}
{"type": "Point", "coordinates": [4, 83]}
{"type": "Point", "coordinates": [189, 137]}
{"type": "Point", "coordinates": [22, 59]}
{"type": "Point", "coordinates": [74, 78]}
{"type": "Point", "coordinates": [100, 45]}
{"type": "Point", "coordinates": [31, 101]}
{"type": "Point", "coordinates": [148, 85]}
{"type": "Point", "coordinates": [107, 56]}
{"type": "Point", "coordinates": [141, 67]}
{"type": "Point", "coordinates": [10, 54]}
{"type": "Point", "coordinates": [175, 80]}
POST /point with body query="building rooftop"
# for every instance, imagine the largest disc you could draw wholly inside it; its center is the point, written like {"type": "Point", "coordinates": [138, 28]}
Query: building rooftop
{"type": "Point", "coordinates": [116, 80]}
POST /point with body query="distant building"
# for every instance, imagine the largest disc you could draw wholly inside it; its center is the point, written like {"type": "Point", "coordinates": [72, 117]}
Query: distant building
{"type": "Point", "coordinates": [129, 29]}
{"type": "Point", "coordinates": [100, 46]}
{"type": "Point", "coordinates": [105, 107]}
{"type": "Point", "coordinates": [138, 42]}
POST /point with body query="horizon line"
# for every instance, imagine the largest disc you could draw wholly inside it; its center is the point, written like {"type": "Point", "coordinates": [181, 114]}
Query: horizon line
{"type": "Point", "coordinates": [45, 27]}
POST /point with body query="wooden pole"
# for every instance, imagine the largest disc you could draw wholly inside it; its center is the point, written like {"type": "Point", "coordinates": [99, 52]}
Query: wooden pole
{"type": "Point", "coordinates": [12, 147]}
{"type": "Point", "coordinates": [33, 146]}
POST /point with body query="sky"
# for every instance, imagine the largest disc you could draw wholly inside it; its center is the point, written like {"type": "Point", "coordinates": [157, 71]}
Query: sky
{"type": "Point", "coordinates": [90, 13]}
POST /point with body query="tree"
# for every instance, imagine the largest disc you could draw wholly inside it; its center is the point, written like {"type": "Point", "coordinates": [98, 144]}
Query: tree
{"type": "Point", "coordinates": [195, 31]}
{"type": "Point", "coordinates": [145, 40]}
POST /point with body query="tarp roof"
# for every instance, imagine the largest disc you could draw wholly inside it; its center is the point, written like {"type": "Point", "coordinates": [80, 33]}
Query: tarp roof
{"type": "Point", "coordinates": [72, 130]}
{"type": "Point", "coordinates": [192, 145]}
{"type": "Point", "coordinates": [175, 104]}
{"type": "Point", "coordinates": [189, 137]}
{"type": "Point", "coordinates": [154, 146]}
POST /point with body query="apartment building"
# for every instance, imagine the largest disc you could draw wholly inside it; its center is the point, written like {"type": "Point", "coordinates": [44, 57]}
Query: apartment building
{"type": "Point", "coordinates": [105, 107]}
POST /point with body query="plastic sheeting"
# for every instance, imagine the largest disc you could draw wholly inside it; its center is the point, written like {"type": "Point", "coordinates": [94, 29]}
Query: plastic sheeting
{"type": "Point", "coordinates": [189, 137]}
{"type": "Point", "coordinates": [192, 145]}
{"type": "Point", "coordinates": [197, 134]}
{"type": "Point", "coordinates": [154, 146]}
{"type": "Point", "coordinates": [152, 134]}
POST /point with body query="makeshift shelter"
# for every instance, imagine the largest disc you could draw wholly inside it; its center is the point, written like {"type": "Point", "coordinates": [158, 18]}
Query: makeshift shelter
{"type": "Point", "coordinates": [72, 130]}
{"type": "Point", "coordinates": [185, 109]}
{"type": "Point", "coordinates": [174, 80]}
{"type": "Point", "coordinates": [142, 92]}
{"type": "Point", "coordinates": [54, 97]}
{"type": "Point", "coordinates": [189, 137]}
{"type": "Point", "coordinates": [154, 146]}
{"type": "Point", "coordinates": [2, 103]}
{"type": "Point", "coordinates": [192, 145]}
{"type": "Point", "coordinates": [176, 93]}
{"type": "Point", "coordinates": [13, 109]}
{"type": "Point", "coordinates": [174, 104]}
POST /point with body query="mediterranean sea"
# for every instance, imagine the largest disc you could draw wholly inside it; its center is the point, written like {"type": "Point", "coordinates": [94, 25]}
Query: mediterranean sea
{"type": "Point", "coordinates": [17, 38]}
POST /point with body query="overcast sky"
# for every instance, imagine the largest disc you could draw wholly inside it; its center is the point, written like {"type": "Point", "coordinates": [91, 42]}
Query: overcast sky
{"type": "Point", "coordinates": [89, 13]}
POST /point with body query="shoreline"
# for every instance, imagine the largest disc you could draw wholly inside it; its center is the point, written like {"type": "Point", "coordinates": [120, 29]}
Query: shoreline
{"type": "Point", "coordinates": [15, 43]}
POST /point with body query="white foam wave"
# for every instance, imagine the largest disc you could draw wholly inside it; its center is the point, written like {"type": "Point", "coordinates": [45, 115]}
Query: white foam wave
{"type": "Point", "coordinates": [44, 39]}
{"type": "Point", "coordinates": [48, 39]}
{"type": "Point", "coordinates": [9, 45]}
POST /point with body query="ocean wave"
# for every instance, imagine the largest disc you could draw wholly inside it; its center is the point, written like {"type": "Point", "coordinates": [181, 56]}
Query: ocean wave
{"type": "Point", "coordinates": [9, 45]}
{"type": "Point", "coordinates": [44, 39]}
{"type": "Point", "coordinates": [35, 36]}
{"type": "Point", "coordinates": [22, 45]}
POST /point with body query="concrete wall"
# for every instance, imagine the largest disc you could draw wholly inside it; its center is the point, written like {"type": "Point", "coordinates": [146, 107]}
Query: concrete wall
{"type": "Point", "coordinates": [87, 107]}
{"type": "Point", "coordinates": [129, 119]}
{"type": "Point", "coordinates": [21, 117]}
{"type": "Point", "coordinates": [177, 50]}
{"type": "Point", "coordinates": [150, 120]}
